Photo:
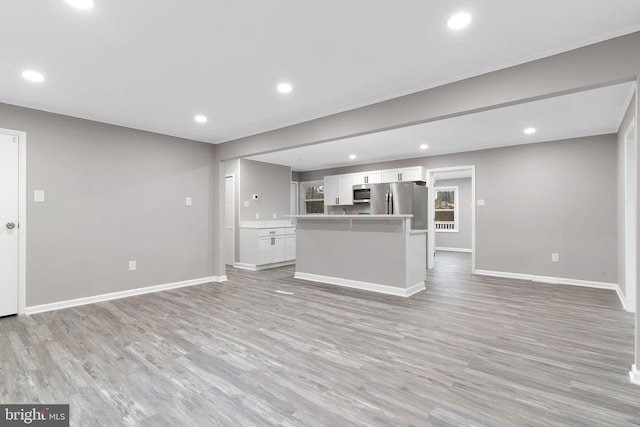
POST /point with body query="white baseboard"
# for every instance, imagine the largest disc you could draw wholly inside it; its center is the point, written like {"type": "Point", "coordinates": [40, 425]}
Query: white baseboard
{"type": "Point", "coordinates": [367, 286]}
{"type": "Point", "coordinates": [557, 281]}
{"type": "Point", "coordinates": [634, 375]}
{"type": "Point", "coordinates": [440, 248]}
{"type": "Point", "coordinates": [121, 294]}
{"type": "Point", "coordinates": [253, 267]}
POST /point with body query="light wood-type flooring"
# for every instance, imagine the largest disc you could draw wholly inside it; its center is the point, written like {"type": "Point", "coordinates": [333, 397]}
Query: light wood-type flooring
{"type": "Point", "coordinates": [469, 350]}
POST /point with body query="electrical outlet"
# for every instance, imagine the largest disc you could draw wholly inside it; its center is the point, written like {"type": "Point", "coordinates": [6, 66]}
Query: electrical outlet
{"type": "Point", "coordinates": [188, 201]}
{"type": "Point", "coordinates": [555, 257]}
{"type": "Point", "coordinates": [257, 215]}
{"type": "Point", "coordinates": [480, 202]}
{"type": "Point", "coordinates": [132, 265]}
{"type": "Point", "coordinates": [274, 215]}
{"type": "Point", "coordinates": [247, 204]}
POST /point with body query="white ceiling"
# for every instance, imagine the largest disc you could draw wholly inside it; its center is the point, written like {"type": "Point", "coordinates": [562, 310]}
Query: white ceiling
{"type": "Point", "coordinates": [154, 64]}
{"type": "Point", "coordinates": [594, 112]}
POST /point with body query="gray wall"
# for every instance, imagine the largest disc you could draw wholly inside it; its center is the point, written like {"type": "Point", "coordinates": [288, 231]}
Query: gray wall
{"type": "Point", "coordinates": [462, 238]}
{"type": "Point", "coordinates": [630, 114]}
{"type": "Point", "coordinates": [271, 182]}
{"type": "Point", "coordinates": [112, 195]}
{"type": "Point", "coordinates": [540, 198]}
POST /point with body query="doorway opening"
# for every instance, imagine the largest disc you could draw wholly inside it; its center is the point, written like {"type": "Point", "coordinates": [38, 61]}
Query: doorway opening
{"type": "Point", "coordinates": [452, 218]}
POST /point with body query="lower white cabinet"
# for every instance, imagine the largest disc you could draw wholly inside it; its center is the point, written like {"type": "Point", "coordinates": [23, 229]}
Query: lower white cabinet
{"type": "Point", "coordinates": [266, 247]}
{"type": "Point", "coordinates": [271, 249]}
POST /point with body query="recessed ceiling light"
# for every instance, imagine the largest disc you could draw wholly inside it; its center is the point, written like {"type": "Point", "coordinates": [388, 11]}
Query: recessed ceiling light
{"type": "Point", "coordinates": [352, 156]}
{"type": "Point", "coordinates": [459, 21]}
{"type": "Point", "coordinates": [200, 119]}
{"type": "Point", "coordinates": [424, 146]}
{"type": "Point", "coordinates": [285, 87]}
{"type": "Point", "coordinates": [530, 131]}
{"type": "Point", "coordinates": [33, 76]}
{"type": "Point", "coordinates": [81, 4]}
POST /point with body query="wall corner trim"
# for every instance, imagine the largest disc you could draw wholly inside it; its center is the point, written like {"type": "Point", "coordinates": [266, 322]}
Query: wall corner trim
{"type": "Point", "coordinates": [121, 294]}
{"type": "Point", "coordinates": [366, 286]}
{"type": "Point", "coordinates": [634, 375]}
{"type": "Point", "coordinates": [557, 281]}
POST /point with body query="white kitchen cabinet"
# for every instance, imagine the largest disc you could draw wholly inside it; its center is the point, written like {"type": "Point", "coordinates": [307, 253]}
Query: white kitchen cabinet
{"type": "Point", "coordinates": [417, 173]}
{"type": "Point", "coordinates": [372, 177]}
{"type": "Point", "coordinates": [331, 190]}
{"type": "Point", "coordinates": [271, 249]}
{"type": "Point", "coordinates": [290, 247]}
{"type": "Point", "coordinates": [338, 190]}
{"type": "Point", "coordinates": [266, 247]}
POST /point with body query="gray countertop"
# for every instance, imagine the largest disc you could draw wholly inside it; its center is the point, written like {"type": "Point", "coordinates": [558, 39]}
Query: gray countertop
{"type": "Point", "coordinates": [322, 216]}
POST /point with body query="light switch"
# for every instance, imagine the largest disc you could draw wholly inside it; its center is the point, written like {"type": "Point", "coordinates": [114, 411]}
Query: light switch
{"type": "Point", "coordinates": [247, 203]}
{"type": "Point", "coordinates": [274, 215]}
{"type": "Point", "coordinates": [188, 201]}
{"type": "Point", "coordinates": [257, 215]}
{"type": "Point", "coordinates": [480, 202]}
{"type": "Point", "coordinates": [38, 196]}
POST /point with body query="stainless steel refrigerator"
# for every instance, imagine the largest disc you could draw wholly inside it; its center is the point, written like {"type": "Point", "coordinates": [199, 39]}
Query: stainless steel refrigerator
{"type": "Point", "coordinates": [401, 198]}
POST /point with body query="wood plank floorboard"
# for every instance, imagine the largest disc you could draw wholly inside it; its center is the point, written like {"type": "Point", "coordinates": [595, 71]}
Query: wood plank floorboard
{"type": "Point", "coordinates": [469, 350]}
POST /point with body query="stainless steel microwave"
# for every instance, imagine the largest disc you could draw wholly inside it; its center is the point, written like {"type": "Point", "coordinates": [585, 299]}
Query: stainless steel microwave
{"type": "Point", "coordinates": [362, 193]}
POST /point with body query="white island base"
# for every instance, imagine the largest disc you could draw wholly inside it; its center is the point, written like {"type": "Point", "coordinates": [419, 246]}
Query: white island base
{"type": "Point", "coordinates": [378, 253]}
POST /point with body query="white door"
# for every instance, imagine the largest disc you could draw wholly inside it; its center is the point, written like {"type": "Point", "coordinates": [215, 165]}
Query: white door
{"type": "Point", "coordinates": [8, 224]}
{"type": "Point", "coordinates": [229, 219]}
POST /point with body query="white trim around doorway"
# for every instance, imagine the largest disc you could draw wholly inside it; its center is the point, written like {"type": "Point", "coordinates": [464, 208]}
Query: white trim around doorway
{"type": "Point", "coordinates": [431, 239]}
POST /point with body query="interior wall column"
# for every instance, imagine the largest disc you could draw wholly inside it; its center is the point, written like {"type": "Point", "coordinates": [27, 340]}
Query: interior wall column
{"type": "Point", "coordinates": [217, 255]}
{"type": "Point", "coordinates": [635, 369]}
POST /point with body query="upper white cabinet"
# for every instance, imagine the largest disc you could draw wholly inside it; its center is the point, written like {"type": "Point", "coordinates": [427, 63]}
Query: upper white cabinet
{"type": "Point", "coordinates": [338, 190]}
{"type": "Point", "coordinates": [372, 177]}
{"type": "Point", "coordinates": [417, 173]}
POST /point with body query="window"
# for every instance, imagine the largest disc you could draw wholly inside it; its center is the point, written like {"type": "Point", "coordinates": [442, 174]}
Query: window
{"type": "Point", "coordinates": [447, 209]}
{"type": "Point", "coordinates": [312, 197]}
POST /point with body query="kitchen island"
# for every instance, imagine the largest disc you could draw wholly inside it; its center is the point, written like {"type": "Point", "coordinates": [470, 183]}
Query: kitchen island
{"type": "Point", "coordinates": [379, 253]}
